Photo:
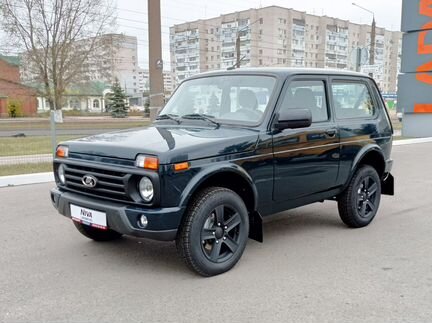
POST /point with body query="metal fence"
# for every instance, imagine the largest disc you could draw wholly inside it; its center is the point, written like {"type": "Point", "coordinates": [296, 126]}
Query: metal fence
{"type": "Point", "coordinates": [26, 144]}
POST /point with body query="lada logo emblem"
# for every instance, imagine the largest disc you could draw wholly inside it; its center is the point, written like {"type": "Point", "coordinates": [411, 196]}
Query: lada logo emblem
{"type": "Point", "coordinates": [89, 180]}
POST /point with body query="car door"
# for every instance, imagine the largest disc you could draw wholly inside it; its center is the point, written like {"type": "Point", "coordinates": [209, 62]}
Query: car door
{"type": "Point", "coordinates": [357, 112]}
{"type": "Point", "coordinates": [306, 160]}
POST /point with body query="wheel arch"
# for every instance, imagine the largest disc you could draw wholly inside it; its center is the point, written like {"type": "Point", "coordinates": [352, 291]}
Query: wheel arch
{"type": "Point", "coordinates": [370, 155]}
{"type": "Point", "coordinates": [229, 176]}
{"type": "Point", "coordinates": [235, 178]}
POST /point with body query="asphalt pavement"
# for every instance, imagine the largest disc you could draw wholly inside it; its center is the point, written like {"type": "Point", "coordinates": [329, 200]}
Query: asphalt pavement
{"type": "Point", "coordinates": [311, 268]}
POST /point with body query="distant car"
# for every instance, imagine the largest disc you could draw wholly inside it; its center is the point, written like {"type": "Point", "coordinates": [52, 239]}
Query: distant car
{"type": "Point", "coordinates": [228, 149]}
{"type": "Point", "coordinates": [399, 116]}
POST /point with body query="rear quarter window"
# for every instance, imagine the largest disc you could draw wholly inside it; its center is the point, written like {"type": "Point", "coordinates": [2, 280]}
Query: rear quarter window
{"type": "Point", "coordinates": [352, 100]}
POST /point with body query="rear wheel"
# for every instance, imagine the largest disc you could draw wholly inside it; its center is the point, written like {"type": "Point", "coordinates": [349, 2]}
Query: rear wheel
{"type": "Point", "coordinates": [359, 203]}
{"type": "Point", "coordinates": [97, 234]}
{"type": "Point", "coordinates": [214, 233]}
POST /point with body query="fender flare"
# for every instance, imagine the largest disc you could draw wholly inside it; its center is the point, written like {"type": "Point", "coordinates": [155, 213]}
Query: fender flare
{"type": "Point", "coordinates": [363, 152]}
{"type": "Point", "coordinates": [207, 172]}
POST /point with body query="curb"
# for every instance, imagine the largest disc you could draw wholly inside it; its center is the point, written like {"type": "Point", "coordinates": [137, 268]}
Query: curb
{"type": "Point", "coordinates": [412, 141]}
{"type": "Point", "coordinates": [38, 178]}
{"type": "Point", "coordinates": [26, 179]}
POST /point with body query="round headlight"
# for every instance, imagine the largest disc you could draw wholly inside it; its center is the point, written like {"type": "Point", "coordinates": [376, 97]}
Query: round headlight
{"type": "Point", "coordinates": [146, 189]}
{"type": "Point", "coordinates": [61, 174]}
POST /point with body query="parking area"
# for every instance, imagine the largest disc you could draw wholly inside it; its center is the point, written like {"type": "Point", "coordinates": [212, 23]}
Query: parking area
{"type": "Point", "coordinates": [311, 268]}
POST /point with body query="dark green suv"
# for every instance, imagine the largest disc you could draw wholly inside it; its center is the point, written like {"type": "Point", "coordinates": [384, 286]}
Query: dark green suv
{"type": "Point", "coordinates": [228, 149]}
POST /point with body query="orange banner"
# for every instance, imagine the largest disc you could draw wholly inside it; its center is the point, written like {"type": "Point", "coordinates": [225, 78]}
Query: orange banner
{"type": "Point", "coordinates": [423, 108]}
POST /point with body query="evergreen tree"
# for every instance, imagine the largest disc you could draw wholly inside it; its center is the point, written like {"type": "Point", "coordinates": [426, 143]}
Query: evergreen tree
{"type": "Point", "coordinates": [117, 101]}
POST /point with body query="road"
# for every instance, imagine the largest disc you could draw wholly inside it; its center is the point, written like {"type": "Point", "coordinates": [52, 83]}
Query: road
{"type": "Point", "coordinates": [310, 268]}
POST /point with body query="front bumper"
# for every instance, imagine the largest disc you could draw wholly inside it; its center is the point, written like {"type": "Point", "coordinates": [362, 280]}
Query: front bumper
{"type": "Point", "coordinates": [163, 222]}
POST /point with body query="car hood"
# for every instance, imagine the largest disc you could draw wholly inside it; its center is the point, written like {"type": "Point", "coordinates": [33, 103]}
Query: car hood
{"type": "Point", "coordinates": [170, 143]}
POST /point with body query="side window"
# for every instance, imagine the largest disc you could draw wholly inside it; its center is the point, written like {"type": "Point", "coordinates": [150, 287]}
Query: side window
{"type": "Point", "coordinates": [352, 100]}
{"type": "Point", "coordinates": [307, 95]}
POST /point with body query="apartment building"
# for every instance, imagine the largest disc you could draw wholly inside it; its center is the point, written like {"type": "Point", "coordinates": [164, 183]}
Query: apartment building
{"type": "Point", "coordinates": [115, 56]}
{"type": "Point", "coordinates": [144, 81]}
{"type": "Point", "coordinates": [277, 36]}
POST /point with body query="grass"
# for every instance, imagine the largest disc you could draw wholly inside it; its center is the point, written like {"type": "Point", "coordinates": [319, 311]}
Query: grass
{"type": "Point", "coordinates": [25, 169]}
{"type": "Point", "coordinates": [28, 145]}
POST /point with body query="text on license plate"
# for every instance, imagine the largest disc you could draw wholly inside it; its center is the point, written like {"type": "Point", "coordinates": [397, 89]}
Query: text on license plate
{"type": "Point", "coordinates": [89, 217]}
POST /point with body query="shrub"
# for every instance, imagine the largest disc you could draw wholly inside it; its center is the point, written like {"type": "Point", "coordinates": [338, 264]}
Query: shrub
{"type": "Point", "coordinates": [14, 109]}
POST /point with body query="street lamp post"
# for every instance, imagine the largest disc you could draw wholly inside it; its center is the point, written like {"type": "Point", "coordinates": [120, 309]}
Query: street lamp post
{"type": "Point", "coordinates": [373, 35]}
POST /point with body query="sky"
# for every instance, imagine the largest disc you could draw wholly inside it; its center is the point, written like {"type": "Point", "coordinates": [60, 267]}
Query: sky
{"type": "Point", "coordinates": [132, 15]}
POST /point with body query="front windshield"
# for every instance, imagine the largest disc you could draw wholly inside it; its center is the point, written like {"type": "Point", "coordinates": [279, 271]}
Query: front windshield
{"type": "Point", "coordinates": [226, 98]}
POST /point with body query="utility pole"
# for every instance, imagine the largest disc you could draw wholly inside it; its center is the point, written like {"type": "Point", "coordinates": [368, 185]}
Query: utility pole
{"type": "Point", "coordinates": [373, 36]}
{"type": "Point", "coordinates": [237, 43]}
{"type": "Point", "coordinates": [358, 59]}
{"type": "Point", "coordinates": [238, 50]}
{"type": "Point", "coordinates": [156, 96]}
{"type": "Point", "coordinates": [372, 44]}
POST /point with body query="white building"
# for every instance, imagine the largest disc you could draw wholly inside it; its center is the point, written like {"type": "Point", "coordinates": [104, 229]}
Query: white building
{"type": "Point", "coordinates": [277, 36]}
{"type": "Point", "coordinates": [144, 82]}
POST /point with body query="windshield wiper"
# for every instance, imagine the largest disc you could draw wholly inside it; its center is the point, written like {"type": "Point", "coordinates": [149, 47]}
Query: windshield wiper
{"type": "Point", "coordinates": [201, 116]}
{"type": "Point", "coordinates": [168, 116]}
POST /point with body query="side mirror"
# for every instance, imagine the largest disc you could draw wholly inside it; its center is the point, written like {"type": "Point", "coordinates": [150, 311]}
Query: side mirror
{"type": "Point", "coordinates": [293, 119]}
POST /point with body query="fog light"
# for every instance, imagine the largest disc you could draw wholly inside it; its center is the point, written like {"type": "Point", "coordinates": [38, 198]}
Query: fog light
{"type": "Point", "coordinates": [61, 174]}
{"type": "Point", "coordinates": [143, 222]}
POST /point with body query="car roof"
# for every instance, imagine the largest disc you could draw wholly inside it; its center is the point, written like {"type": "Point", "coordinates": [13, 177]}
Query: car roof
{"type": "Point", "coordinates": [283, 72]}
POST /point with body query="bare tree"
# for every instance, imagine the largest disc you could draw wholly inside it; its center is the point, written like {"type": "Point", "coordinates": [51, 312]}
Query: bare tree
{"type": "Point", "coordinates": [58, 39]}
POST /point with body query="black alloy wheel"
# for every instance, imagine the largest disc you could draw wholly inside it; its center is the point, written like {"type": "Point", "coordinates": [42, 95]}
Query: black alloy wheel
{"type": "Point", "coordinates": [214, 231]}
{"type": "Point", "coordinates": [220, 234]}
{"type": "Point", "coordinates": [359, 202]}
{"type": "Point", "coordinates": [367, 196]}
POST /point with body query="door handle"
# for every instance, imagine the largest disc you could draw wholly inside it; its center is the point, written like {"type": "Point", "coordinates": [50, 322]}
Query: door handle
{"type": "Point", "coordinates": [331, 132]}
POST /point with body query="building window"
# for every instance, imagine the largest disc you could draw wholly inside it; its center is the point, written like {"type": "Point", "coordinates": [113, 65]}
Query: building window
{"type": "Point", "coordinates": [261, 21]}
{"type": "Point", "coordinates": [260, 62]}
{"type": "Point", "coordinates": [95, 104]}
{"type": "Point", "coordinates": [75, 104]}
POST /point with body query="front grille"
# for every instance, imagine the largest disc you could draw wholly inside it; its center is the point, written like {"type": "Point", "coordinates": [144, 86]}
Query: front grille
{"type": "Point", "coordinates": [110, 184]}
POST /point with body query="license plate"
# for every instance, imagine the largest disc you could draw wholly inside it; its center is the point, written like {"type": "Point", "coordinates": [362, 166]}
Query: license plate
{"type": "Point", "coordinates": [89, 217]}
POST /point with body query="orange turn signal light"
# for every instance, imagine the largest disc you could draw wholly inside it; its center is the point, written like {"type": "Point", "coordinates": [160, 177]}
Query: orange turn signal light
{"type": "Point", "coordinates": [151, 163]}
{"type": "Point", "coordinates": [147, 162]}
{"type": "Point", "coordinates": [62, 152]}
{"type": "Point", "coordinates": [181, 166]}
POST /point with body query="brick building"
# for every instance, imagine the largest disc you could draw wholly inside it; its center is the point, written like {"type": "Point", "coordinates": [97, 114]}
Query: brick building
{"type": "Point", "coordinates": [12, 89]}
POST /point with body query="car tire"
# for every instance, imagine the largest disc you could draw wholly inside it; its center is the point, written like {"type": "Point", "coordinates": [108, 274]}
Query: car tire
{"type": "Point", "coordinates": [214, 231]}
{"type": "Point", "coordinates": [97, 234]}
{"type": "Point", "coordinates": [359, 203]}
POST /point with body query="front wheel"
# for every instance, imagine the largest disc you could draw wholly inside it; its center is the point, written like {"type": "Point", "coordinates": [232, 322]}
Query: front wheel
{"type": "Point", "coordinates": [359, 203]}
{"type": "Point", "coordinates": [214, 233]}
